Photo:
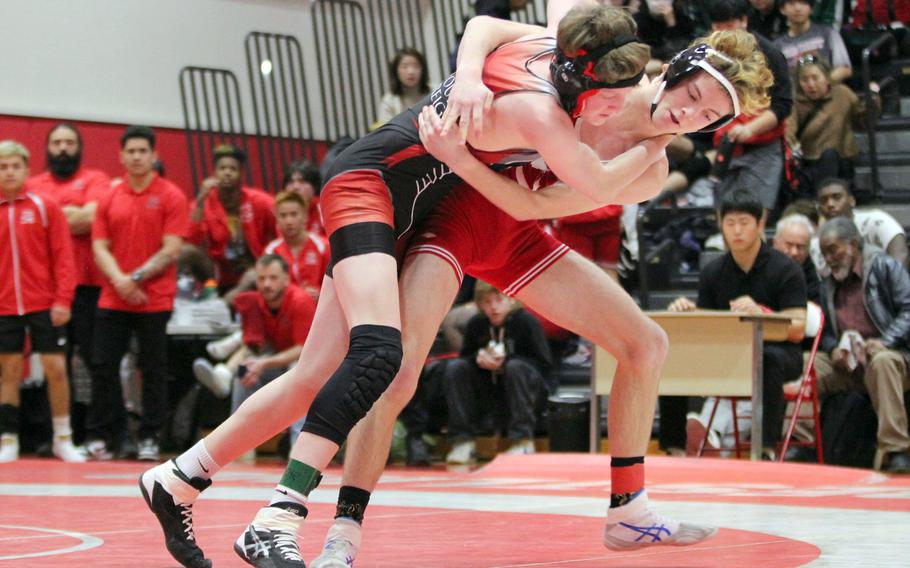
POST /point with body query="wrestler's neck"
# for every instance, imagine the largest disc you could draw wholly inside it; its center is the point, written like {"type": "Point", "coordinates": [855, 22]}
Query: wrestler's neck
{"type": "Point", "coordinates": [631, 123]}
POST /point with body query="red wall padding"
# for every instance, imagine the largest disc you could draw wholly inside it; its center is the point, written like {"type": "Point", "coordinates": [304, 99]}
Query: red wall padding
{"type": "Point", "coordinates": [101, 146]}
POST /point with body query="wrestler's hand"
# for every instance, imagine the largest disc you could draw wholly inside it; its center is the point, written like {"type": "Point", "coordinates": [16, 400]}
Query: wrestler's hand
{"type": "Point", "coordinates": [468, 102]}
{"type": "Point", "coordinates": [657, 146]}
{"type": "Point", "coordinates": [444, 147]}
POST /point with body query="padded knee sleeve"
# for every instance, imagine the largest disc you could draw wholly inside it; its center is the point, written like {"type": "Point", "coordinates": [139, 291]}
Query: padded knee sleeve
{"type": "Point", "coordinates": [373, 360]}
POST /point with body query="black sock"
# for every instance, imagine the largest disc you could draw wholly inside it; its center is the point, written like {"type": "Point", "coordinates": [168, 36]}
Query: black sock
{"type": "Point", "coordinates": [9, 419]}
{"type": "Point", "coordinates": [352, 503]}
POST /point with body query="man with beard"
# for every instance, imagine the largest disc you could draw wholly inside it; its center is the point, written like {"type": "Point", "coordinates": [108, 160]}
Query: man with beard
{"type": "Point", "coordinates": [866, 300]}
{"type": "Point", "coordinates": [78, 190]}
{"type": "Point", "coordinates": [876, 227]}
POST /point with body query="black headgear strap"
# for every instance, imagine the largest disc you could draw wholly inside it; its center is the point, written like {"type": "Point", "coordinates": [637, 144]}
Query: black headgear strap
{"type": "Point", "coordinates": [575, 75]}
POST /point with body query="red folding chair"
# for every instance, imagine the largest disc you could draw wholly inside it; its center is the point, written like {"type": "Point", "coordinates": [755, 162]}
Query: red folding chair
{"type": "Point", "coordinates": [807, 394]}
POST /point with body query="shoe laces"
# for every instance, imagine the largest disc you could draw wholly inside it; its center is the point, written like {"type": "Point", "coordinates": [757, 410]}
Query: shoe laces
{"type": "Point", "coordinates": [286, 544]}
{"type": "Point", "coordinates": [186, 511]}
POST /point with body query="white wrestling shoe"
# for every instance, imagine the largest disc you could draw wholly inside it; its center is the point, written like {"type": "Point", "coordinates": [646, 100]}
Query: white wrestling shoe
{"type": "Point", "coordinates": [341, 545]}
{"type": "Point", "coordinates": [635, 525]}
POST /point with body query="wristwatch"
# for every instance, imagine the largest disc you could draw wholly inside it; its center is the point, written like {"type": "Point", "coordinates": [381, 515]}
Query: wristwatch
{"type": "Point", "coordinates": [137, 275]}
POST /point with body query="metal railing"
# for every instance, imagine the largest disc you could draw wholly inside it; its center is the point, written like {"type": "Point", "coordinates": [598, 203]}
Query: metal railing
{"type": "Point", "coordinates": [212, 115]}
{"type": "Point", "coordinates": [348, 81]}
{"type": "Point", "coordinates": [394, 24]}
{"type": "Point", "coordinates": [871, 115]}
{"type": "Point", "coordinates": [449, 17]}
{"type": "Point", "coordinates": [281, 104]}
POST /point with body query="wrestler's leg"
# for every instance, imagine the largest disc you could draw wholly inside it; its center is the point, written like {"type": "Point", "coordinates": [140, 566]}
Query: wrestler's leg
{"type": "Point", "coordinates": [170, 491]}
{"type": "Point", "coordinates": [577, 295]}
{"type": "Point", "coordinates": [367, 288]}
{"type": "Point", "coordinates": [427, 288]}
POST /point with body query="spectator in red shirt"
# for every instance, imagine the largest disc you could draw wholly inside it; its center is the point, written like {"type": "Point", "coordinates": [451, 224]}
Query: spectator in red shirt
{"type": "Point", "coordinates": [36, 260]}
{"type": "Point", "coordinates": [138, 231]}
{"type": "Point", "coordinates": [596, 235]}
{"type": "Point", "coordinates": [303, 177]}
{"type": "Point", "coordinates": [78, 190]}
{"type": "Point", "coordinates": [276, 319]}
{"type": "Point", "coordinates": [234, 223]}
{"type": "Point", "coordinates": [306, 253]}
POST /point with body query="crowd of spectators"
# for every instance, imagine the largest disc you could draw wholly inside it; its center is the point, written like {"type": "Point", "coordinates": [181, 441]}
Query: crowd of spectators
{"type": "Point", "coordinates": [118, 253]}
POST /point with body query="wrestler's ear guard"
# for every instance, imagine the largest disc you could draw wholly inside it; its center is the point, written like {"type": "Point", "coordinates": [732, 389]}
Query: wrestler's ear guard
{"type": "Point", "coordinates": [574, 76]}
{"type": "Point", "coordinates": [688, 62]}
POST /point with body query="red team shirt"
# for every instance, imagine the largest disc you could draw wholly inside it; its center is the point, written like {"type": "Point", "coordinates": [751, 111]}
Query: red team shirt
{"type": "Point", "coordinates": [257, 215]}
{"type": "Point", "coordinates": [85, 186]}
{"type": "Point", "coordinates": [135, 224]}
{"type": "Point", "coordinates": [314, 218]}
{"type": "Point", "coordinates": [308, 267]}
{"type": "Point", "coordinates": [36, 255]}
{"type": "Point", "coordinates": [282, 330]}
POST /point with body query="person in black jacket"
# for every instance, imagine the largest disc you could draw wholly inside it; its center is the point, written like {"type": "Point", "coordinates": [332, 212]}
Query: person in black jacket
{"type": "Point", "coordinates": [864, 346]}
{"type": "Point", "coordinates": [504, 359]}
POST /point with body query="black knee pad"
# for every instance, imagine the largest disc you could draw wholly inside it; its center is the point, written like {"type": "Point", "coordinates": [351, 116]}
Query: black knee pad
{"type": "Point", "coordinates": [373, 360]}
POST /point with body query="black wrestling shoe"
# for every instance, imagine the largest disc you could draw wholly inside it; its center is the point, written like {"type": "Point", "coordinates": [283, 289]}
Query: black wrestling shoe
{"type": "Point", "coordinates": [170, 495]}
{"type": "Point", "coordinates": [270, 541]}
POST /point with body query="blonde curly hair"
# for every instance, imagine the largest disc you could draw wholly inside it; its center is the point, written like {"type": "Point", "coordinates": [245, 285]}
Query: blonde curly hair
{"type": "Point", "coordinates": [745, 67]}
{"type": "Point", "coordinates": [587, 26]}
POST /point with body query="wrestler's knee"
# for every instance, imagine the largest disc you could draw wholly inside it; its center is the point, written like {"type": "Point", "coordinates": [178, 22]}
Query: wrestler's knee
{"type": "Point", "coordinates": [402, 389]}
{"type": "Point", "coordinates": [373, 360]}
{"type": "Point", "coordinates": [646, 345]}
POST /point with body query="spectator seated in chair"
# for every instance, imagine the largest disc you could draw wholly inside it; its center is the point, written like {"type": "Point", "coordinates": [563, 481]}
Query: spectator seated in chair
{"type": "Point", "coordinates": [504, 358]}
{"type": "Point", "coordinates": [866, 301]}
{"type": "Point", "coordinates": [805, 37]}
{"type": "Point", "coordinates": [751, 278]}
{"type": "Point", "coordinates": [820, 129]}
{"type": "Point", "coordinates": [276, 320]}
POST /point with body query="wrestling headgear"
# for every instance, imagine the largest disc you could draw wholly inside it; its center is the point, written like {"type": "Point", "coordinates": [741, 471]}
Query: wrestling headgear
{"type": "Point", "coordinates": [688, 62]}
{"type": "Point", "coordinates": [574, 77]}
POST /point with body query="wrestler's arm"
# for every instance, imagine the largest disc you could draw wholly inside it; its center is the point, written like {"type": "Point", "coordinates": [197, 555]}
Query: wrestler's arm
{"type": "Point", "coordinates": [469, 97]}
{"type": "Point", "coordinates": [558, 200]}
{"type": "Point", "coordinates": [550, 131]}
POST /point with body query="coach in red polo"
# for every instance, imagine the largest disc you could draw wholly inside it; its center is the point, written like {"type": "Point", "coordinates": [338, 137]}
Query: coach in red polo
{"type": "Point", "coordinates": [138, 230]}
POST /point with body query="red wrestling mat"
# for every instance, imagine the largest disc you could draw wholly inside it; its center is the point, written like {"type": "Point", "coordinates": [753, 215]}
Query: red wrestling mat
{"type": "Point", "coordinates": [543, 510]}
